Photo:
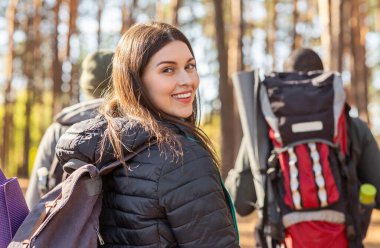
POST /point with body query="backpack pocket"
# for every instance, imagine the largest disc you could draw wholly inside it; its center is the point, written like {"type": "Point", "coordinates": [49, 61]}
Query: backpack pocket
{"type": "Point", "coordinates": [312, 234]}
{"type": "Point", "coordinates": [310, 179]}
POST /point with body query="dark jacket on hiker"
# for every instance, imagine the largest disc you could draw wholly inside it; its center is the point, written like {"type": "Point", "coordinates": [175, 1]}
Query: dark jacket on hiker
{"type": "Point", "coordinates": [157, 201]}
{"type": "Point", "coordinates": [46, 150]}
{"type": "Point", "coordinates": [365, 156]}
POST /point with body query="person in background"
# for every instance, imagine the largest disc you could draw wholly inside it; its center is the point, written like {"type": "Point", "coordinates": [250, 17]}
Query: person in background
{"type": "Point", "coordinates": [95, 78]}
{"type": "Point", "coordinates": [171, 194]}
{"type": "Point", "coordinates": [365, 153]}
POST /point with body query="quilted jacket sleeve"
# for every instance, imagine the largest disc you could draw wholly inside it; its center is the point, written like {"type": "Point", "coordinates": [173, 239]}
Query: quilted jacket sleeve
{"type": "Point", "coordinates": [366, 155]}
{"type": "Point", "coordinates": [196, 208]}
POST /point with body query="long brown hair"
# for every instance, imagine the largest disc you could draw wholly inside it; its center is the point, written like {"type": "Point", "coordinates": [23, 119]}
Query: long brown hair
{"type": "Point", "coordinates": [130, 99]}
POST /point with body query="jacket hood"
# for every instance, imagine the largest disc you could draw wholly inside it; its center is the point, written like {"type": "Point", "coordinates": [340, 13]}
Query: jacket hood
{"type": "Point", "coordinates": [78, 112]}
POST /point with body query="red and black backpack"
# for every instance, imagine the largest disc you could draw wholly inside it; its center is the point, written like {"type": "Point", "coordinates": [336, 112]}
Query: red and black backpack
{"type": "Point", "coordinates": [309, 171]}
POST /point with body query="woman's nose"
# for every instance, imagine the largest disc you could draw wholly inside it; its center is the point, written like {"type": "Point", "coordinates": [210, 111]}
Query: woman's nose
{"type": "Point", "coordinates": [184, 78]}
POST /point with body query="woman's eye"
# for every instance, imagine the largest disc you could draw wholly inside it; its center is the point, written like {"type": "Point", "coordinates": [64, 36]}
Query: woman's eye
{"type": "Point", "coordinates": [190, 66]}
{"type": "Point", "coordinates": [168, 70]}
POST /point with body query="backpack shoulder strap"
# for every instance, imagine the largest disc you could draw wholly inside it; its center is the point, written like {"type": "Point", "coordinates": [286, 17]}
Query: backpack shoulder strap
{"type": "Point", "coordinates": [75, 164]}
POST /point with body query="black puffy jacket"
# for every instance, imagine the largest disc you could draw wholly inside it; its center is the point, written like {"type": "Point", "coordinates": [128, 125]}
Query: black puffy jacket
{"type": "Point", "coordinates": [157, 201]}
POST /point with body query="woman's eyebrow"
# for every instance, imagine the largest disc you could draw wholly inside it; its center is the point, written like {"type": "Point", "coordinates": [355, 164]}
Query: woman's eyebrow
{"type": "Point", "coordinates": [165, 62]}
{"type": "Point", "coordinates": [172, 62]}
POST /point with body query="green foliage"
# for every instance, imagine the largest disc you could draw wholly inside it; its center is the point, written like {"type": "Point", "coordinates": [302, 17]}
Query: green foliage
{"type": "Point", "coordinates": [15, 149]}
{"type": "Point", "coordinates": [40, 119]}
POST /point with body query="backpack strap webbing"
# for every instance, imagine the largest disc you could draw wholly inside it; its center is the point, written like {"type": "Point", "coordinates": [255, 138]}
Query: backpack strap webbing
{"type": "Point", "coordinates": [275, 228]}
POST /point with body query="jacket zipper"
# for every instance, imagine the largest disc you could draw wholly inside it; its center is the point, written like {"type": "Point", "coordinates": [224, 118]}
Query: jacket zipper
{"type": "Point", "coordinates": [101, 241]}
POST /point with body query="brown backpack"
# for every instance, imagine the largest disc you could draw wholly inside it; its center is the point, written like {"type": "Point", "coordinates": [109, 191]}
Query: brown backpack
{"type": "Point", "coordinates": [68, 215]}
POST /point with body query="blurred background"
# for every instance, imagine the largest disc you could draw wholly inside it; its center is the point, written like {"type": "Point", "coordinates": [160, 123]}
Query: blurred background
{"type": "Point", "coordinates": [42, 44]}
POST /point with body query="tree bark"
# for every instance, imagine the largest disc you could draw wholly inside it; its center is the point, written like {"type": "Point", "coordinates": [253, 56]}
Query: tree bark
{"type": "Point", "coordinates": [57, 63]}
{"type": "Point", "coordinates": [74, 87]}
{"type": "Point", "coordinates": [168, 13]}
{"type": "Point", "coordinates": [337, 43]}
{"type": "Point", "coordinates": [28, 67]}
{"type": "Point", "coordinates": [359, 70]}
{"type": "Point", "coordinates": [225, 88]}
{"type": "Point", "coordinates": [8, 97]}
{"type": "Point", "coordinates": [230, 60]}
{"type": "Point", "coordinates": [235, 63]}
{"type": "Point", "coordinates": [346, 35]}
{"type": "Point", "coordinates": [127, 16]}
{"type": "Point", "coordinates": [174, 7]}
{"type": "Point", "coordinates": [324, 14]}
{"type": "Point", "coordinates": [99, 19]}
{"type": "Point", "coordinates": [39, 74]}
{"type": "Point", "coordinates": [297, 39]}
{"type": "Point", "coordinates": [271, 30]}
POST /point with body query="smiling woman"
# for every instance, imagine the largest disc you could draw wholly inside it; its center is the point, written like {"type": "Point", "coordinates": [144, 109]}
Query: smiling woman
{"type": "Point", "coordinates": [171, 195]}
{"type": "Point", "coordinates": [171, 79]}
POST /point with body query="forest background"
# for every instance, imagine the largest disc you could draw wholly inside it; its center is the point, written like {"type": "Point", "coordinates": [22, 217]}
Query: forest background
{"type": "Point", "coordinates": [42, 44]}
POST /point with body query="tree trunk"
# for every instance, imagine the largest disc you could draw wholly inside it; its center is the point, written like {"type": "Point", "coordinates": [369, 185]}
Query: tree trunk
{"type": "Point", "coordinates": [297, 39]}
{"type": "Point", "coordinates": [39, 73]}
{"type": "Point", "coordinates": [174, 7]}
{"type": "Point", "coordinates": [57, 64]}
{"type": "Point", "coordinates": [324, 14]}
{"type": "Point", "coordinates": [8, 97]}
{"type": "Point", "coordinates": [28, 67]}
{"type": "Point", "coordinates": [74, 87]}
{"type": "Point", "coordinates": [169, 15]}
{"type": "Point", "coordinates": [99, 19]}
{"type": "Point", "coordinates": [235, 63]}
{"type": "Point", "coordinates": [271, 30]}
{"type": "Point", "coordinates": [230, 122]}
{"type": "Point", "coordinates": [225, 88]}
{"type": "Point", "coordinates": [127, 16]}
{"type": "Point", "coordinates": [359, 69]}
{"type": "Point", "coordinates": [337, 44]}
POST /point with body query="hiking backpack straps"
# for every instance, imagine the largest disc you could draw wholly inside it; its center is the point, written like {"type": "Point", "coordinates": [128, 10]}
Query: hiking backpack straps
{"type": "Point", "coordinates": [310, 169]}
{"type": "Point", "coordinates": [68, 215]}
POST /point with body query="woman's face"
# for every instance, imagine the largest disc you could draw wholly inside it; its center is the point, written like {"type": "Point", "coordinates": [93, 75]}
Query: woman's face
{"type": "Point", "coordinates": [171, 79]}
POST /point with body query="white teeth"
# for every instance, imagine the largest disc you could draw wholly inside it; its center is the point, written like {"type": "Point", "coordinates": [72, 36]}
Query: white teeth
{"type": "Point", "coordinates": [180, 96]}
